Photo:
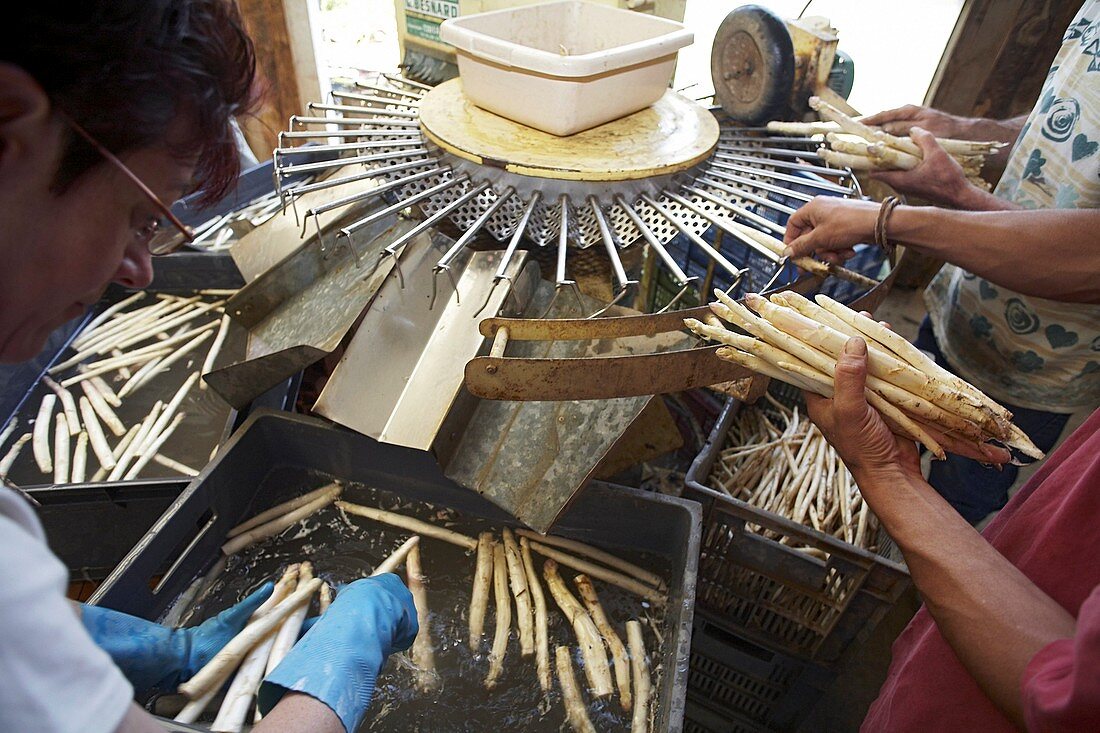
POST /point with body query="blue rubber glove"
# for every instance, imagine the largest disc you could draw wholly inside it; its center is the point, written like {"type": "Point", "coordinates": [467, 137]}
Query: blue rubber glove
{"type": "Point", "coordinates": [338, 660]}
{"type": "Point", "coordinates": [154, 656]}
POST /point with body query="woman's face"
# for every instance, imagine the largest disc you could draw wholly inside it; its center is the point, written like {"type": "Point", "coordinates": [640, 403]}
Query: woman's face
{"type": "Point", "coordinates": [58, 253]}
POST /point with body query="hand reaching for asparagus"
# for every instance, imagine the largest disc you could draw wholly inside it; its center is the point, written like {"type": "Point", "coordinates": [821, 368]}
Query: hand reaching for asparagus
{"type": "Point", "coordinates": [938, 178]}
{"type": "Point", "coordinates": [900, 120]}
{"type": "Point", "coordinates": [830, 227]}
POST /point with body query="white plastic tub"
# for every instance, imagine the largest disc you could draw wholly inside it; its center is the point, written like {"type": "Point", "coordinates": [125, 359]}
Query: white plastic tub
{"type": "Point", "coordinates": [563, 67]}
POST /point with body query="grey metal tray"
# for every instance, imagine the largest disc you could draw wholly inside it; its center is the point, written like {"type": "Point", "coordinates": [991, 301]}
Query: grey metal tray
{"type": "Point", "coordinates": [242, 478]}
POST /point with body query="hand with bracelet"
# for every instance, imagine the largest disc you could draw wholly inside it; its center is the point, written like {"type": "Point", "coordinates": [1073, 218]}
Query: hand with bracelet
{"type": "Point", "coordinates": [1050, 253]}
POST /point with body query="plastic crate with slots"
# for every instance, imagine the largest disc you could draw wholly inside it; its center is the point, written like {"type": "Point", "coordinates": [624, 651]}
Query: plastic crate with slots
{"type": "Point", "coordinates": [773, 594]}
{"type": "Point", "coordinates": [736, 686]}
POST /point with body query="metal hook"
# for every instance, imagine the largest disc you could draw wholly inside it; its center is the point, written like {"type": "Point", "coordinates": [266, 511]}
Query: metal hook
{"type": "Point", "coordinates": [621, 294]}
{"type": "Point", "coordinates": [779, 267]}
{"type": "Point", "coordinates": [674, 301]}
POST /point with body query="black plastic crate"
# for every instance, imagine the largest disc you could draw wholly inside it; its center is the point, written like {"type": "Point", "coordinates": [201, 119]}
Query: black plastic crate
{"type": "Point", "coordinates": [244, 478]}
{"type": "Point", "coordinates": [786, 600]}
{"type": "Point", "coordinates": [737, 686]}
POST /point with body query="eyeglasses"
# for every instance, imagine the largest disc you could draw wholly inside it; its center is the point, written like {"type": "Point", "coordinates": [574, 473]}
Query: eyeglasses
{"type": "Point", "coordinates": [158, 245]}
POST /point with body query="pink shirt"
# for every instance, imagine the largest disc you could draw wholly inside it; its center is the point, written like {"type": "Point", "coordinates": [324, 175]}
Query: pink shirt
{"type": "Point", "coordinates": [1050, 531]}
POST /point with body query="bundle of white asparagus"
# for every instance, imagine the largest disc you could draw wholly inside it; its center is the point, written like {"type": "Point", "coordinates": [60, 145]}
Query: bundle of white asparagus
{"type": "Point", "coordinates": [798, 341]}
{"type": "Point", "coordinates": [129, 348]}
{"type": "Point", "coordinates": [854, 145]}
{"type": "Point", "coordinates": [777, 460]}
{"type": "Point", "coordinates": [504, 569]}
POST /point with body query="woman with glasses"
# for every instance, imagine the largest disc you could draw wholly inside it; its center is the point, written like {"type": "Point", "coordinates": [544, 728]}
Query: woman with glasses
{"type": "Point", "coordinates": [109, 109]}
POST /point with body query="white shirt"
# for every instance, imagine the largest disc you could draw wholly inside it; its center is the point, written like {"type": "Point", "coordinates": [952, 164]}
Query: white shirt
{"type": "Point", "coordinates": [53, 677]}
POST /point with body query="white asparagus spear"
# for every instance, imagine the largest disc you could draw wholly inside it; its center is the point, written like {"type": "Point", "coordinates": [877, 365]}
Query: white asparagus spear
{"type": "Point", "coordinates": [576, 714]}
{"type": "Point", "coordinates": [168, 361]}
{"type": "Point", "coordinates": [479, 596]}
{"type": "Point", "coordinates": [881, 364]}
{"type": "Point", "coordinates": [146, 454]}
{"type": "Point", "coordinates": [8, 430]}
{"type": "Point", "coordinates": [123, 461]}
{"type": "Point", "coordinates": [517, 580]}
{"type": "Point", "coordinates": [161, 327]}
{"type": "Point", "coordinates": [95, 435]}
{"type": "Point", "coordinates": [809, 264]}
{"type": "Point", "coordinates": [99, 404]}
{"type": "Point", "coordinates": [288, 632]}
{"type": "Point", "coordinates": [61, 450]}
{"type": "Point", "coordinates": [41, 443]}
{"type": "Point", "coordinates": [422, 656]}
{"type": "Point", "coordinates": [13, 453]}
{"type": "Point", "coordinates": [106, 368]}
{"type": "Point", "coordinates": [275, 526]}
{"type": "Point", "coordinates": [225, 661]}
{"type": "Point", "coordinates": [398, 556]}
{"type": "Point", "coordinates": [542, 631]}
{"type": "Point", "coordinates": [68, 404]}
{"type": "Point", "coordinates": [642, 685]}
{"type": "Point", "coordinates": [580, 548]}
{"type": "Point", "coordinates": [503, 617]}
{"type": "Point", "coordinates": [324, 600]}
{"type": "Point", "coordinates": [597, 571]}
{"type": "Point", "coordinates": [286, 507]}
{"type": "Point", "coordinates": [119, 449]}
{"type": "Point", "coordinates": [99, 340]}
{"type": "Point", "coordinates": [169, 411]}
{"type": "Point", "coordinates": [619, 656]}
{"type": "Point", "coordinates": [238, 698]}
{"type": "Point", "coordinates": [111, 310]}
{"type": "Point", "coordinates": [413, 525]}
{"type": "Point", "coordinates": [222, 664]}
{"type": "Point", "coordinates": [80, 458]}
{"type": "Point", "coordinates": [215, 349]}
{"type": "Point", "coordinates": [123, 372]}
{"type": "Point", "coordinates": [157, 346]}
{"type": "Point", "coordinates": [175, 465]}
{"type": "Point", "coordinates": [105, 391]}
{"type": "Point", "coordinates": [596, 668]}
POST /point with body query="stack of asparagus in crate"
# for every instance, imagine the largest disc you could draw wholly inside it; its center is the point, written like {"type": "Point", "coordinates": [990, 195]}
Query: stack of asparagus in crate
{"type": "Point", "coordinates": [798, 341]}
{"type": "Point", "coordinates": [852, 144]}
{"type": "Point", "coordinates": [129, 347]}
{"type": "Point", "coordinates": [778, 461]}
{"type": "Point", "coordinates": [505, 570]}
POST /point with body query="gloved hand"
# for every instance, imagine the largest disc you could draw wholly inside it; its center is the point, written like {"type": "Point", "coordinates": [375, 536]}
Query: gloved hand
{"type": "Point", "coordinates": [155, 656]}
{"type": "Point", "coordinates": [338, 660]}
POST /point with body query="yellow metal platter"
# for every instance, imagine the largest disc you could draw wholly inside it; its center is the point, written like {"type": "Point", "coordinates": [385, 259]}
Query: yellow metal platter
{"type": "Point", "coordinates": [672, 135]}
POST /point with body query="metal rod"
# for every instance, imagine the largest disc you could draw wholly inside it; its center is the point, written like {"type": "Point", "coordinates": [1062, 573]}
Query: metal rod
{"type": "Point", "coordinates": [473, 229]}
{"type": "Point", "coordinates": [717, 221]}
{"type": "Point", "coordinates": [777, 139]}
{"type": "Point", "coordinates": [372, 173]}
{"type": "Point", "coordinates": [774, 152]}
{"type": "Point", "coordinates": [399, 79]}
{"type": "Point", "coordinates": [303, 134]}
{"type": "Point", "coordinates": [402, 204]}
{"type": "Point", "coordinates": [782, 164]}
{"type": "Point", "coordinates": [376, 191]}
{"type": "Point", "coordinates": [695, 238]}
{"type": "Point", "coordinates": [392, 247]}
{"type": "Point", "coordinates": [814, 183]}
{"type": "Point", "coordinates": [609, 245]}
{"type": "Point", "coordinates": [342, 147]}
{"type": "Point", "coordinates": [563, 241]}
{"type": "Point", "coordinates": [517, 235]}
{"type": "Point", "coordinates": [371, 98]}
{"type": "Point", "coordinates": [362, 110]}
{"type": "Point", "coordinates": [739, 210]}
{"type": "Point", "coordinates": [341, 162]}
{"type": "Point", "coordinates": [755, 197]}
{"type": "Point", "coordinates": [387, 90]}
{"type": "Point", "coordinates": [355, 121]}
{"type": "Point", "coordinates": [363, 196]}
{"type": "Point", "coordinates": [681, 278]}
{"type": "Point", "coordinates": [721, 172]}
